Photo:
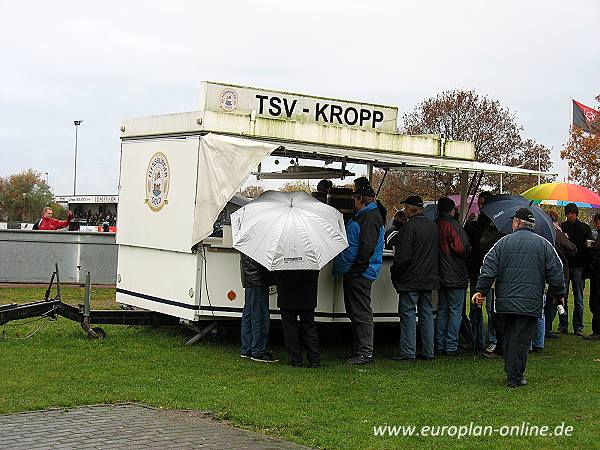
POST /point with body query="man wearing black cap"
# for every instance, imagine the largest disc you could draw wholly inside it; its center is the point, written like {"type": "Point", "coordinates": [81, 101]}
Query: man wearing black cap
{"type": "Point", "coordinates": [520, 264]}
{"type": "Point", "coordinates": [453, 250]}
{"type": "Point", "coordinates": [578, 233]}
{"type": "Point", "coordinates": [359, 264]}
{"type": "Point", "coordinates": [414, 275]}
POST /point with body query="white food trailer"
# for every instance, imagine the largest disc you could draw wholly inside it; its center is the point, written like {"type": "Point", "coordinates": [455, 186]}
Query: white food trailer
{"type": "Point", "coordinates": [179, 171]}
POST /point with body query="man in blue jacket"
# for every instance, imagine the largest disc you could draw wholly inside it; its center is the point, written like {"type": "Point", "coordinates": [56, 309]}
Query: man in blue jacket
{"type": "Point", "coordinates": [520, 264]}
{"type": "Point", "coordinates": [360, 264]}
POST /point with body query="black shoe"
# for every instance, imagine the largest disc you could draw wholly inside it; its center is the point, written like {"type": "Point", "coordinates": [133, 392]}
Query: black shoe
{"type": "Point", "coordinates": [245, 355]}
{"type": "Point", "coordinates": [551, 335]}
{"type": "Point", "coordinates": [562, 331]}
{"type": "Point", "coordinates": [423, 358]}
{"type": "Point", "coordinates": [403, 358]}
{"type": "Point", "coordinates": [578, 332]}
{"type": "Point", "coordinates": [296, 364]}
{"type": "Point", "coordinates": [492, 355]}
{"type": "Point", "coordinates": [516, 384]}
{"type": "Point", "coordinates": [265, 357]}
{"type": "Point", "coordinates": [536, 350]}
{"type": "Point", "coordinates": [360, 360]}
{"type": "Point", "coordinates": [315, 365]}
{"type": "Point", "coordinates": [592, 337]}
{"type": "Point", "coordinates": [457, 352]}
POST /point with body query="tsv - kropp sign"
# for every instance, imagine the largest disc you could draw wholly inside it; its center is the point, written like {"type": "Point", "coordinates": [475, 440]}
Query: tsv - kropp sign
{"type": "Point", "coordinates": [287, 106]}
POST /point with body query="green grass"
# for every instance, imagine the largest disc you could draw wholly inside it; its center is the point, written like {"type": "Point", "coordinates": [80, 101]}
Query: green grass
{"type": "Point", "coordinates": [334, 407]}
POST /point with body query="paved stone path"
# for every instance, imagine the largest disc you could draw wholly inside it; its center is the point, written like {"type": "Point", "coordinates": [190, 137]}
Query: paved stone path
{"type": "Point", "coordinates": [126, 426]}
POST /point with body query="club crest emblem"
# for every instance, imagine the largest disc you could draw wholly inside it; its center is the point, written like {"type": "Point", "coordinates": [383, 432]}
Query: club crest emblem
{"type": "Point", "coordinates": [157, 182]}
{"type": "Point", "coordinates": [229, 100]}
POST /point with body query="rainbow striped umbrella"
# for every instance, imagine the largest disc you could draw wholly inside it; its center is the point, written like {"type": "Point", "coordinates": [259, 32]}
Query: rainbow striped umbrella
{"type": "Point", "coordinates": [562, 193]}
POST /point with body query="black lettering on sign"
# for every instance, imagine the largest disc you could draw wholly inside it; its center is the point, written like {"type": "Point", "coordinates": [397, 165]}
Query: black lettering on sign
{"type": "Point", "coordinates": [289, 111]}
{"type": "Point", "coordinates": [320, 112]}
{"type": "Point", "coordinates": [336, 111]}
{"type": "Point", "coordinates": [275, 109]}
{"type": "Point", "coordinates": [365, 116]}
{"type": "Point", "coordinates": [261, 99]}
{"type": "Point", "coordinates": [377, 117]}
{"type": "Point", "coordinates": [354, 115]}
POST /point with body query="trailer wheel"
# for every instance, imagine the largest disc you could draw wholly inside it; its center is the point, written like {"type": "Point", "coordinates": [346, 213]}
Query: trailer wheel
{"type": "Point", "coordinates": [100, 333]}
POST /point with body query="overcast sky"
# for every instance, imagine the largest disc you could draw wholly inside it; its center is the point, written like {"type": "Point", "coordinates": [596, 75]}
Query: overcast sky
{"type": "Point", "coordinates": [105, 61]}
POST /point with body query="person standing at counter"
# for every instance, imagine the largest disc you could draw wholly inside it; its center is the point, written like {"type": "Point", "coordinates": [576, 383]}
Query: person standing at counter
{"type": "Point", "coordinates": [414, 276]}
{"type": "Point", "coordinates": [297, 299]}
{"type": "Point", "coordinates": [360, 264]}
{"type": "Point", "coordinates": [255, 315]}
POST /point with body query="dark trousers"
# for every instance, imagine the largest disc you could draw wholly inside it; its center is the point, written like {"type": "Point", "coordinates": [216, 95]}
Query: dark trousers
{"type": "Point", "coordinates": [499, 323]}
{"type": "Point", "coordinates": [357, 298]}
{"type": "Point", "coordinates": [595, 303]}
{"type": "Point", "coordinates": [299, 334]}
{"type": "Point", "coordinates": [517, 334]}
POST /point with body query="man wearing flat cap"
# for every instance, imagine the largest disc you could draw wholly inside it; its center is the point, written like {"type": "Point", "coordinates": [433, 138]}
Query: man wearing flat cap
{"type": "Point", "coordinates": [359, 264]}
{"type": "Point", "coordinates": [414, 276]}
{"type": "Point", "coordinates": [520, 263]}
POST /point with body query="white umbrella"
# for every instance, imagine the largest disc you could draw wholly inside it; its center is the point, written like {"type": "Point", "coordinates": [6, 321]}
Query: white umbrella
{"type": "Point", "coordinates": [289, 230]}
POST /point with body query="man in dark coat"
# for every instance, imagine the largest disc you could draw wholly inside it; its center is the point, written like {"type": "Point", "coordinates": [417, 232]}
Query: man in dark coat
{"type": "Point", "coordinates": [360, 264]}
{"type": "Point", "coordinates": [520, 264]}
{"type": "Point", "coordinates": [578, 233]}
{"type": "Point", "coordinates": [414, 275]}
{"type": "Point", "coordinates": [474, 230]}
{"type": "Point", "coordinates": [297, 299]}
{"type": "Point", "coordinates": [453, 250]}
{"type": "Point", "coordinates": [595, 284]}
{"type": "Point", "coordinates": [255, 315]}
{"type": "Point", "coordinates": [565, 250]}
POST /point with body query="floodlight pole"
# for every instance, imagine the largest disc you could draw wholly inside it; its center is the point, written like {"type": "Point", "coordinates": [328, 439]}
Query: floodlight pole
{"type": "Point", "coordinates": [76, 123]}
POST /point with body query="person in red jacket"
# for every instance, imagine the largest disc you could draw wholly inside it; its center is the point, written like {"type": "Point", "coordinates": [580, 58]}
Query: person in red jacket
{"type": "Point", "coordinates": [47, 222]}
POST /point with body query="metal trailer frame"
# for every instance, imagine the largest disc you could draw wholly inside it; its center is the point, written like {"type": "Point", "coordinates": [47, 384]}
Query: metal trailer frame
{"type": "Point", "coordinates": [54, 306]}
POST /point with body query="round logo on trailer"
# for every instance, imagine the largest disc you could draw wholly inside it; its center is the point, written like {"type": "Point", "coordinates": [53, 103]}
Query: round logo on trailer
{"type": "Point", "coordinates": [229, 100]}
{"type": "Point", "coordinates": [157, 181]}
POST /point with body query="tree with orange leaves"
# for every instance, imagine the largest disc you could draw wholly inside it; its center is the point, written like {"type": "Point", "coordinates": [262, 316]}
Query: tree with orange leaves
{"type": "Point", "coordinates": [582, 153]}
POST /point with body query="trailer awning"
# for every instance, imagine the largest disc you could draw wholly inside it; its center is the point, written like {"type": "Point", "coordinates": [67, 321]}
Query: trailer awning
{"type": "Point", "coordinates": [400, 161]}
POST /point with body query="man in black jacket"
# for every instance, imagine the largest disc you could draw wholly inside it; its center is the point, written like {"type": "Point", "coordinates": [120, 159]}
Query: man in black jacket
{"type": "Point", "coordinates": [595, 284]}
{"type": "Point", "coordinates": [414, 275]}
{"type": "Point", "coordinates": [520, 264]}
{"type": "Point", "coordinates": [255, 316]}
{"type": "Point", "coordinates": [565, 250]}
{"type": "Point", "coordinates": [475, 229]}
{"type": "Point", "coordinates": [578, 233]}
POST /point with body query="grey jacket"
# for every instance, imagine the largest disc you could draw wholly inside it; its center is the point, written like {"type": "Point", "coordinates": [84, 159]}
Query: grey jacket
{"type": "Point", "coordinates": [521, 263]}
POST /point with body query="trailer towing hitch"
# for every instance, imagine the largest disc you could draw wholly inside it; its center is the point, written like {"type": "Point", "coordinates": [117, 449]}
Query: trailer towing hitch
{"type": "Point", "coordinates": [84, 315]}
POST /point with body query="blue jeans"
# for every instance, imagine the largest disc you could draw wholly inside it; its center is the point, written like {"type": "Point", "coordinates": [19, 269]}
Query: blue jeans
{"type": "Point", "coordinates": [578, 284]}
{"type": "Point", "coordinates": [255, 321]}
{"type": "Point", "coordinates": [540, 330]}
{"type": "Point", "coordinates": [408, 326]}
{"type": "Point", "coordinates": [450, 304]}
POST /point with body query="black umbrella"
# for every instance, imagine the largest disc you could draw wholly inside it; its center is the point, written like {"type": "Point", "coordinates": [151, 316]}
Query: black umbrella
{"type": "Point", "coordinates": [501, 209]}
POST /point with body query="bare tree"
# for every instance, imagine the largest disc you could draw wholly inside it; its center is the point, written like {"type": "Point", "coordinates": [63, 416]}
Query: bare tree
{"type": "Point", "coordinates": [466, 116]}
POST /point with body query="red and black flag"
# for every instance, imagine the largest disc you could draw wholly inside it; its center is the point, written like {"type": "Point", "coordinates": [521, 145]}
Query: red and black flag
{"type": "Point", "coordinates": [586, 118]}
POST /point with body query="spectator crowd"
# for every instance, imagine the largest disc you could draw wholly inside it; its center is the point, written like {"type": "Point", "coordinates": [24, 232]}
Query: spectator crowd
{"type": "Point", "coordinates": [521, 279]}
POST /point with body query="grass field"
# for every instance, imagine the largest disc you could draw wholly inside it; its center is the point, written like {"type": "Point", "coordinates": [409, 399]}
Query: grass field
{"type": "Point", "coordinates": [336, 406]}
